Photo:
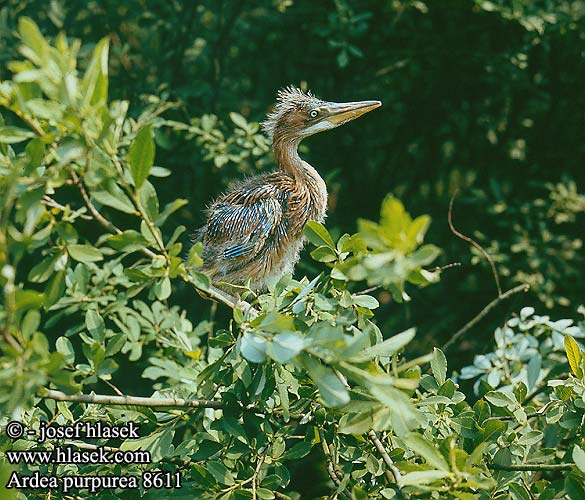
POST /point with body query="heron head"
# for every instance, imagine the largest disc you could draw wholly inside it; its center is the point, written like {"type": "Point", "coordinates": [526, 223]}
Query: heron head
{"type": "Point", "coordinates": [298, 114]}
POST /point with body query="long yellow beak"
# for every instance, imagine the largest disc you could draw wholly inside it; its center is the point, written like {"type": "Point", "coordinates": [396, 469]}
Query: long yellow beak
{"type": "Point", "coordinates": [343, 112]}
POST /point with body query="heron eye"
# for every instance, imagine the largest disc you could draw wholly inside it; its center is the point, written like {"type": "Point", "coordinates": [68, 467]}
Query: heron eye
{"type": "Point", "coordinates": [313, 113]}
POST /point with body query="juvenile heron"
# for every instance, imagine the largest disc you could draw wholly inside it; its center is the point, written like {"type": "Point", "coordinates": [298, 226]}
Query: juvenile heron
{"type": "Point", "coordinates": [254, 233]}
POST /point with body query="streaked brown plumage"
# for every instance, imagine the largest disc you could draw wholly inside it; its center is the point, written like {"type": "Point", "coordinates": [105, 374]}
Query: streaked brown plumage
{"type": "Point", "coordinates": [255, 232]}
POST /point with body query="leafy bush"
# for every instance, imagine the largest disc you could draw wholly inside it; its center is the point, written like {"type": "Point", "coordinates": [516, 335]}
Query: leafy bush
{"type": "Point", "coordinates": [90, 265]}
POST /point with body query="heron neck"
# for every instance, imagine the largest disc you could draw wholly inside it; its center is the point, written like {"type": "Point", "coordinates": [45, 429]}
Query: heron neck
{"type": "Point", "coordinates": [287, 156]}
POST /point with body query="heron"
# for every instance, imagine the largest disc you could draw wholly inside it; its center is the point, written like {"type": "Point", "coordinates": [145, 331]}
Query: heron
{"type": "Point", "coordinates": [253, 234]}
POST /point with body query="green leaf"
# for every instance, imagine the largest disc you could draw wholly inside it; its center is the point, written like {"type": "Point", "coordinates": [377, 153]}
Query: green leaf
{"type": "Point", "coordinates": [356, 423]}
{"type": "Point", "coordinates": [253, 348]}
{"type": "Point", "coordinates": [119, 200]}
{"type": "Point", "coordinates": [84, 253]}
{"type": "Point", "coordinates": [31, 36]}
{"type": "Point", "coordinates": [220, 472]}
{"type": "Point", "coordinates": [387, 348]}
{"type": "Point", "coordinates": [318, 235]}
{"type": "Point", "coordinates": [30, 324]}
{"type": "Point", "coordinates": [42, 271]}
{"type": "Point", "coordinates": [95, 324]}
{"type": "Point", "coordinates": [423, 447]}
{"type": "Point", "coordinates": [299, 450]}
{"type": "Point", "coordinates": [149, 200]}
{"type": "Point", "coordinates": [499, 399]}
{"type": "Point", "coordinates": [55, 288]}
{"type": "Point", "coordinates": [439, 366]}
{"type": "Point", "coordinates": [239, 120]}
{"type": "Point", "coordinates": [530, 438]}
{"type": "Point", "coordinates": [65, 347]}
{"type": "Point", "coordinates": [533, 370]}
{"type": "Point", "coordinates": [12, 135]}
{"type": "Point", "coordinates": [264, 494]}
{"type": "Point", "coordinates": [162, 288]}
{"type": "Point", "coordinates": [324, 254]}
{"type": "Point", "coordinates": [128, 241]}
{"type": "Point", "coordinates": [169, 209]}
{"type": "Point", "coordinates": [575, 486]}
{"type": "Point", "coordinates": [423, 477]}
{"type": "Point", "coordinates": [94, 85]}
{"type": "Point", "coordinates": [405, 416]}
{"type": "Point", "coordinates": [573, 355]}
{"type": "Point", "coordinates": [331, 388]}
{"type": "Point", "coordinates": [285, 346]}
{"type": "Point", "coordinates": [141, 156]}
{"type": "Point", "coordinates": [425, 255]}
{"type": "Point", "coordinates": [579, 458]}
{"type": "Point", "coordinates": [366, 301]}
{"type": "Point", "coordinates": [518, 492]}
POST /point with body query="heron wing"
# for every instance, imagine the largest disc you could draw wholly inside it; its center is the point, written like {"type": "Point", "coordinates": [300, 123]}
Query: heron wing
{"type": "Point", "coordinates": [239, 224]}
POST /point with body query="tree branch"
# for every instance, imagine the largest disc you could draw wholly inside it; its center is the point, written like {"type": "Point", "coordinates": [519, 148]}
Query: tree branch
{"type": "Point", "coordinates": [531, 467]}
{"type": "Point", "coordinates": [472, 242]}
{"type": "Point", "coordinates": [50, 202]}
{"type": "Point", "coordinates": [520, 288]}
{"type": "Point", "coordinates": [333, 473]}
{"type": "Point", "coordinates": [129, 400]}
{"type": "Point", "coordinates": [392, 472]}
{"type": "Point", "coordinates": [229, 300]}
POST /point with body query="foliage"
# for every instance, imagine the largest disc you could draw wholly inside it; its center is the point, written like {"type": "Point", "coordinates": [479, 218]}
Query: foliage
{"type": "Point", "coordinates": [546, 234]}
{"type": "Point", "coordinates": [91, 266]}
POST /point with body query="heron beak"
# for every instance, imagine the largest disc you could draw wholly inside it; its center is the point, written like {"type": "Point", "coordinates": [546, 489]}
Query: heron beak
{"type": "Point", "coordinates": [343, 112]}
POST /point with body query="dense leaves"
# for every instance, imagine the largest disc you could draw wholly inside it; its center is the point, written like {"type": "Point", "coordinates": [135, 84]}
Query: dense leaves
{"type": "Point", "coordinates": [100, 295]}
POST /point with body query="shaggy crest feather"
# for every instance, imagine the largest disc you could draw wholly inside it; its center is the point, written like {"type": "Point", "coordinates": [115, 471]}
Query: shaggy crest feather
{"type": "Point", "coordinates": [287, 99]}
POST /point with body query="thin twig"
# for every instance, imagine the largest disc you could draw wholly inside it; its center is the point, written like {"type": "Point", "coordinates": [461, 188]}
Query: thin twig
{"type": "Point", "coordinates": [50, 202]}
{"type": "Point", "coordinates": [99, 217]}
{"type": "Point", "coordinates": [335, 476]}
{"type": "Point", "coordinates": [446, 266]}
{"type": "Point", "coordinates": [255, 476]}
{"type": "Point", "coordinates": [535, 414]}
{"type": "Point", "coordinates": [114, 388]}
{"type": "Point", "coordinates": [520, 288]}
{"type": "Point", "coordinates": [392, 472]}
{"type": "Point", "coordinates": [472, 242]}
{"type": "Point", "coordinates": [103, 399]}
{"type": "Point", "coordinates": [94, 212]}
{"type": "Point", "coordinates": [531, 467]}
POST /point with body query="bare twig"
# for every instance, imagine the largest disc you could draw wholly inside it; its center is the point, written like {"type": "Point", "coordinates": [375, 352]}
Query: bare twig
{"type": "Point", "coordinates": [129, 400]}
{"type": "Point", "coordinates": [12, 341]}
{"type": "Point", "coordinates": [334, 474]}
{"type": "Point", "coordinates": [531, 467]}
{"type": "Point", "coordinates": [520, 288]}
{"type": "Point", "coordinates": [94, 212]}
{"type": "Point", "coordinates": [255, 476]}
{"type": "Point", "coordinates": [114, 388]}
{"type": "Point", "coordinates": [392, 472]}
{"type": "Point", "coordinates": [472, 242]}
{"type": "Point", "coordinates": [446, 266]}
{"type": "Point", "coordinates": [50, 202]}
{"type": "Point", "coordinates": [99, 217]}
